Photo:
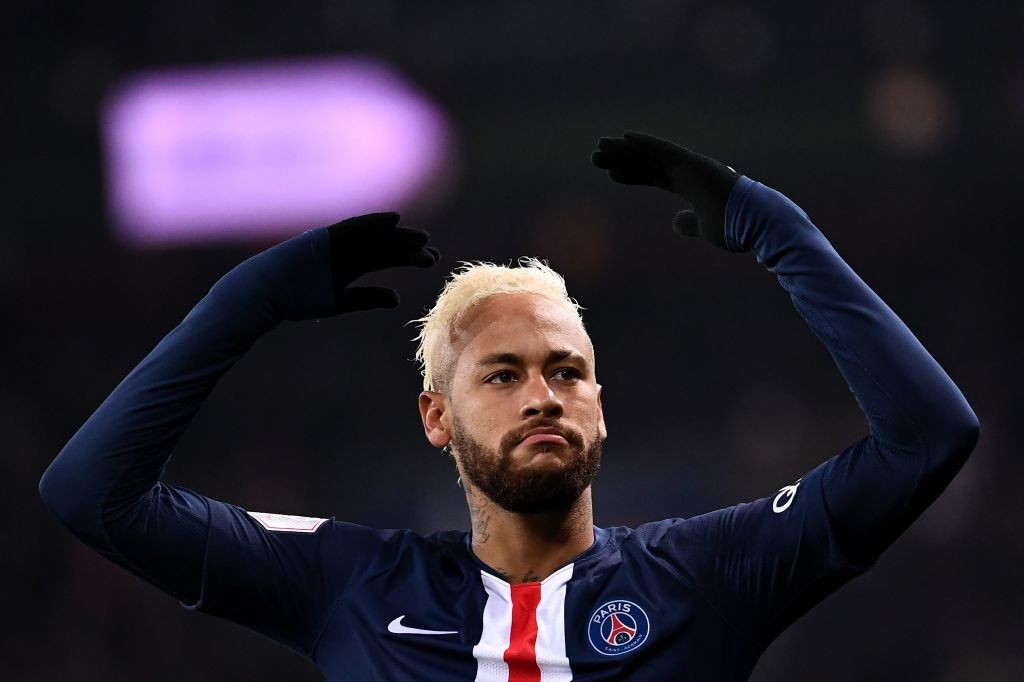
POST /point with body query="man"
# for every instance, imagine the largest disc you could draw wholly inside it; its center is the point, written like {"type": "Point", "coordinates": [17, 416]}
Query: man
{"type": "Point", "coordinates": [535, 591]}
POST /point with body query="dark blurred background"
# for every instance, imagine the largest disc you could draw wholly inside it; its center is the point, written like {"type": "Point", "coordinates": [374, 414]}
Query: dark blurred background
{"type": "Point", "coordinates": [895, 125]}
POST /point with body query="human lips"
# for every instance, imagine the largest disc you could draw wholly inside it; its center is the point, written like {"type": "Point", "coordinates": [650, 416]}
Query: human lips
{"type": "Point", "coordinates": [544, 435]}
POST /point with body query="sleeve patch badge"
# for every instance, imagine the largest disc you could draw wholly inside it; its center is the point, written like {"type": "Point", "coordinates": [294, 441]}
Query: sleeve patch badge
{"type": "Point", "coordinates": [287, 523]}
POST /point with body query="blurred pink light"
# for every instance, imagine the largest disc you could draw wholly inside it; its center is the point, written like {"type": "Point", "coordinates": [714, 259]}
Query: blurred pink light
{"type": "Point", "coordinates": [909, 110]}
{"type": "Point", "coordinates": [242, 151]}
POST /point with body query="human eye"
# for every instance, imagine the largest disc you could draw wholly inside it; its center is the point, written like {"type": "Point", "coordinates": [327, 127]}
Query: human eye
{"type": "Point", "coordinates": [503, 377]}
{"type": "Point", "coordinates": [568, 373]}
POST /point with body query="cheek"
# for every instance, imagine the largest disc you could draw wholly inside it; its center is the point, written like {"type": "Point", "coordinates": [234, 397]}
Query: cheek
{"type": "Point", "coordinates": [483, 424]}
{"type": "Point", "coordinates": [490, 430]}
{"type": "Point", "coordinates": [583, 406]}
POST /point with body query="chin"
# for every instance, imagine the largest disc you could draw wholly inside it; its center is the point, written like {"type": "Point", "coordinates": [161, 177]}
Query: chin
{"type": "Point", "coordinates": [554, 455]}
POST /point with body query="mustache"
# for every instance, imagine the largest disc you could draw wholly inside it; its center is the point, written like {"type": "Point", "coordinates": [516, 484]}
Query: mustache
{"type": "Point", "coordinates": [512, 438]}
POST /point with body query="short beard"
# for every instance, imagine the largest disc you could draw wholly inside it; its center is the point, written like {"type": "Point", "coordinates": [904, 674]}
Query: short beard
{"type": "Point", "coordinates": [527, 490]}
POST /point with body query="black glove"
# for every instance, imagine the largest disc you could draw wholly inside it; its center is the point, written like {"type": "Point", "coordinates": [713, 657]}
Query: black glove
{"type": "Point", "coordinates": [373, 242]}
{"type": "Point", "coordinates": [640, 159]}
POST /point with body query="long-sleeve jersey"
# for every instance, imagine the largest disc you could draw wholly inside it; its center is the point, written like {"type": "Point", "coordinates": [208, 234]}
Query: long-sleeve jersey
{"type": "Point", "coordinates": [680, 599]}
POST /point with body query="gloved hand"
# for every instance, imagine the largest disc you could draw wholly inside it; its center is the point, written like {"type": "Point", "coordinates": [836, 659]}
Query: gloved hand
{"type": "Point", "coordinates": [641, 159]}
{"type": "Point", "coordinates": [373, 242]}
{"type": "Point", "coordinates": [308, 276]}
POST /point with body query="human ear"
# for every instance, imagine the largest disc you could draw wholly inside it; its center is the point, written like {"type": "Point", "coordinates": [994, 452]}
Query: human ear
{"type": "Point", "coordinates": [433, 414]}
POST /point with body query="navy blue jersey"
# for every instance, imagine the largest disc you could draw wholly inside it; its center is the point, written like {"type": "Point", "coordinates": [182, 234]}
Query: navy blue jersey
{"type": "Point", "coordinates": [679, 599]}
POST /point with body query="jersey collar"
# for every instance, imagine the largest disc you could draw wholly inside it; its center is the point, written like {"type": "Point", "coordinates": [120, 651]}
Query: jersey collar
{"type": "Point", "coordinates": [595, 550]}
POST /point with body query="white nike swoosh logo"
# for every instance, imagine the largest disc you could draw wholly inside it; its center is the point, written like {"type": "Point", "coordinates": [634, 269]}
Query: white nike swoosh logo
{"type": "Point", "coordinates": [396, 627]}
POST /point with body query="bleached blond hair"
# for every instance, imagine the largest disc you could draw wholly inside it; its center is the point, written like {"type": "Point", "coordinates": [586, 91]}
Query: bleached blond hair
{"type": "Point", "coordinates": [471, 283]}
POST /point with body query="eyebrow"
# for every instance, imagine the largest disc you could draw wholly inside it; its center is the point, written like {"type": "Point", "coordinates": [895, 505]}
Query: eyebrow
{"type": "Point", "coordinates": [513, 359]}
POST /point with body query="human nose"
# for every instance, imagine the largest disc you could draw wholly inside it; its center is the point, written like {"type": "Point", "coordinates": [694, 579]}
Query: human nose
{"type": "Point", "coordinates": [541, 399]}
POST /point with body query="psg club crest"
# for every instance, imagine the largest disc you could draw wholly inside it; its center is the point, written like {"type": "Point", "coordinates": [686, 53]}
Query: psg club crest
{"type": "Point", "coordinates": [618, 627]}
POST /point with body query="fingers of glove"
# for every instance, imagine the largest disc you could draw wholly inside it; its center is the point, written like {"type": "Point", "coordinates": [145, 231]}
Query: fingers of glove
{"type": "Point", "coordinates": [635, 176]}
{"type": "Point", "coordinates": [406, 238]}
{"type": "Point", "coordinates": [602, 160]}
{"type": "Point", "coordinates": [614, 151]}
{"type": "Point", "coordinates": [367, 222]}
{"type": "Point", "coordinates": [380, 228]}
{"type": "Point", "coordinates": [628, 165]}
{"type": "Point", "coordinates": [382, 247]}
{"type": "Point", "coordinates": [367, 298]}
{"type": "Point", "coordinates": [686, 223]}
{"type": "Point", "coordinates": [652, 145]}
{"type": "Point", "coordinates": [613, 145]}
{"type": "Point", "coordinates": [353, 235]}
{"type": "Point", "coordinates": [423, 257]}
{"type": "Point", "coordinates": [631, 165]}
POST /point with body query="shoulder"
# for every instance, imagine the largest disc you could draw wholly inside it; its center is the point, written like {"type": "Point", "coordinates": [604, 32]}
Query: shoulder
{"type": "Point", "coordinates": [389, 545]}
{"type": "Point", "coordinates": [680, 544]}
{"type": "Point", "coordinates": [657, 540]}
{"type": "Point", "coordinates": [318, 529]}
{"type": "Point", "coordinates": [770, 525]}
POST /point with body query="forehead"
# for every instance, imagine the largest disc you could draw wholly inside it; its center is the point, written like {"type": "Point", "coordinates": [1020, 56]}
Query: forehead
{"type": "Point", "coordinates": [518, 323]}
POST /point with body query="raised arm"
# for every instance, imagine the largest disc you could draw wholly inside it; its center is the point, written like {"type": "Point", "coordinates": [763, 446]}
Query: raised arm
{"type": "Point", "coordinates": [921, 429]}
{"type": "Point", "coordinates": [105, 487]}
{"type": "Point", "coordinates": [779, 555]}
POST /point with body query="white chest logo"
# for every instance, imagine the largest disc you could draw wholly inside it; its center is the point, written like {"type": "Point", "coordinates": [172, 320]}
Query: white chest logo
{"type": "Point", "coordinates": [785, 497]}
{"type": "Point", "coordinates": [396, 627]}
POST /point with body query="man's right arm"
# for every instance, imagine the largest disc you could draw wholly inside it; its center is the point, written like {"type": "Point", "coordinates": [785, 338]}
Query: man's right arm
{"type": "Point", "coordinates": [105, 486]}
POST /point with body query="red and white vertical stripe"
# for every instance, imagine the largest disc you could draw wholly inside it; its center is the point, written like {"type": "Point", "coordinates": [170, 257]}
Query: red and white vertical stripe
{"type": "Point", "coordinates": [523, 639]}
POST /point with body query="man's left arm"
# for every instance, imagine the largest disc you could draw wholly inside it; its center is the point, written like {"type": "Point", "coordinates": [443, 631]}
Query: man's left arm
{"type": "Point", "coordinates": [921, 429]}
{"type": "Point", "coordinates": [766, 562]}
